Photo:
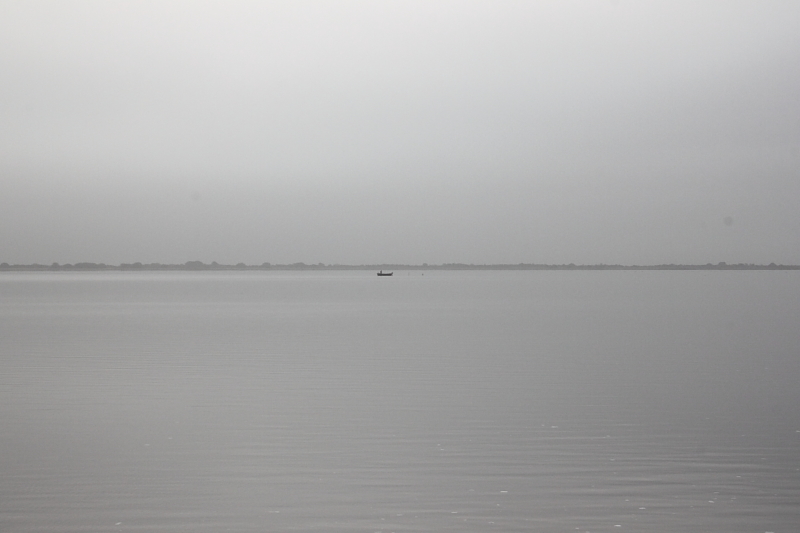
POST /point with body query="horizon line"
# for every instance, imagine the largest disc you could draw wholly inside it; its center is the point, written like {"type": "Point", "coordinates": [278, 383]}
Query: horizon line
{"type": "Point", "coordinates": [214, 266]}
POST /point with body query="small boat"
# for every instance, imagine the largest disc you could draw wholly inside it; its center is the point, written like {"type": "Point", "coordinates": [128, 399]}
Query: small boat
{"type": "Point", "coordinates": [382, 273]}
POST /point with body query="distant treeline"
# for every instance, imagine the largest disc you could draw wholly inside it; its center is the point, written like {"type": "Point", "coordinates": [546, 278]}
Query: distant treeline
{"type": "Point", "coordinates": [200, 266]}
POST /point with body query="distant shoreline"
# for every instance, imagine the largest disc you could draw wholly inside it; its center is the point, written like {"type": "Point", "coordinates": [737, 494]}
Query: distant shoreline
{"type": "Point", "coordinates": [195, 266]}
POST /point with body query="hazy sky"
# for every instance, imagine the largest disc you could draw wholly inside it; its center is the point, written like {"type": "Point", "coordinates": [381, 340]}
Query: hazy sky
{"type": "Point", "coordinates": [633, 132]}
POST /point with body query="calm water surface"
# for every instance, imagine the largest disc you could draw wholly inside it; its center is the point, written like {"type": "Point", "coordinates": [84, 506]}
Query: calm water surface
{"type": "Point", "coordinates": [453, 401]}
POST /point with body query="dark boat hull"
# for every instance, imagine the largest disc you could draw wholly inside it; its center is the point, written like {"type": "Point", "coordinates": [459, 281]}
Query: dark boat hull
{"type": "Point", "coordinates": [385, 273]}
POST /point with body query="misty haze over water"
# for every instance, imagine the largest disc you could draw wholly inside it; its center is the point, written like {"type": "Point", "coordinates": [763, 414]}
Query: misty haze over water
{"type": "Point", "coordinates": [450, 401]}
{"type": "Point", "coordinates": [228, 157]}
{"type": "Point", "coordinates": [409, 132]}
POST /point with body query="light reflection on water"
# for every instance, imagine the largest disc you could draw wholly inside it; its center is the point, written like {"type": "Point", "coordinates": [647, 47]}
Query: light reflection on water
{"type": "Point", "coordinates": [471, 401]}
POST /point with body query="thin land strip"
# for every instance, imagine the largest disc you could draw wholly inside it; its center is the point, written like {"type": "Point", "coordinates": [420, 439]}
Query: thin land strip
{"type": "Point", "coordinates": [214, 266]}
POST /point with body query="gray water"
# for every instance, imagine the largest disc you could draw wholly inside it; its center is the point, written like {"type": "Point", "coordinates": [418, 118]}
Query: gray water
{"type": "Point", "coordinates": [453, 401]}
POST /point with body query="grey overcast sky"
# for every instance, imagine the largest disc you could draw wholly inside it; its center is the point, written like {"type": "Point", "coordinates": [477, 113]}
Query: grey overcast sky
{"type": "Point", "coordinates": [635, 132]}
